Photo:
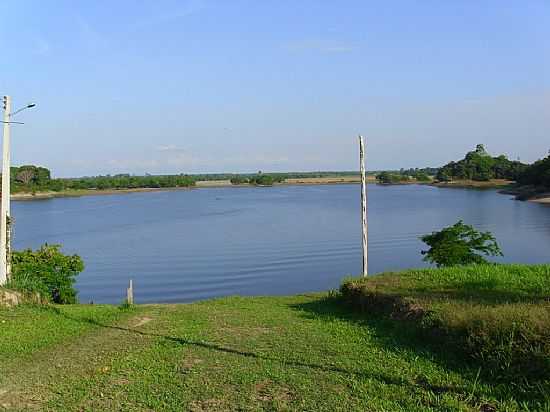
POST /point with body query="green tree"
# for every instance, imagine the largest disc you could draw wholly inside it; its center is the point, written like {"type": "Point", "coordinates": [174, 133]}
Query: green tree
{"type": "Point", "coordinates": [459, 244]}
{"type": "Point", "coordinates": [48, 271]}
{"type": "Point", "coordinates": [238, 180]}
{"type": "Point", "coordinates": [391, 178]}
{"type": "Point", "coordinates": [479, 165]}
{"type": "Point", "coordinates": [537, 174]}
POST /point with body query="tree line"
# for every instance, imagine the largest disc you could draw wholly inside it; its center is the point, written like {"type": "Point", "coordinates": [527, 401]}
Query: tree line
{"type": "Point", "coordinates": [537, 174]}
{"type": "Point", "coordinates": [258, 179]}
{"type": "Point", "coordinates": [406, 175]}
{"type": "Point", "coordinates": [31, 178]}
{"type": "Point", "coordinates": [481, 166]}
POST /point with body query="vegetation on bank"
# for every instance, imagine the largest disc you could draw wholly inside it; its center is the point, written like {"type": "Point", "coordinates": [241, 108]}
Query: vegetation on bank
{"type": "Point", "coordinates": [535, 180]}
{"type": "Point", "coordinates": [258, 180]}
{"type": "Point", "coordinates": [414, 176]}
{"type": "Point", "coordinates": [307, 353]}
{"type": "Point", "coordinates": [46, 272]}
{"type": "Point", "coordinates": [459, 244]}
{"type": "Point", "coordinates": [33, 179]}
{"type": "Point", "coordinates": [478, 165]}
{"type": "Point", "coordinates": [496, 316]}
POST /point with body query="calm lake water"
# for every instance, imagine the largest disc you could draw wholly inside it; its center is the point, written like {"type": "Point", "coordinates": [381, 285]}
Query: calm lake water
{"type": "Point", "coordinates": [181, 246]}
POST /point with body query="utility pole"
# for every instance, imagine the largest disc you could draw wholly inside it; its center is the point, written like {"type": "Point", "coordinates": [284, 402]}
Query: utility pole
{"type": "Point", "coordinates": [5, 230]}
{"type": "Point", "coordinates": [5, 206]}
{"type": "Point", "coordinates": [364, 227]}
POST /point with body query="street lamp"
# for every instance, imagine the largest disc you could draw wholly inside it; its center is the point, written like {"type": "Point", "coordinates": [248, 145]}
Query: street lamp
{"type": "Point", "coordinates": [5, 241]}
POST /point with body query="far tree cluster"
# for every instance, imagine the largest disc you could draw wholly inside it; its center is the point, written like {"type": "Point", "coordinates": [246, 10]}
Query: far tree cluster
{"type": "Point", "coordinates": [537, 174]}
{"type": "Point", "coordinates": [481, 166]}
{"type": "Point", "coordinates": [391, 178]}
{"type": "Point", "coordinates": [406, 175]}
{"type": "Point", "coordinates": [259, 179]}
{"type": "Point", "coordinates": [31, 178]}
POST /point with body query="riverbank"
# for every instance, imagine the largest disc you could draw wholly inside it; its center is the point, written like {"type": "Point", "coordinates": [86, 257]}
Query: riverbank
{"type": "Point", "coordinates": [199, 184]}
{"type": "Point", "coordinates": [474, 184]}
{"type": "Point", "coordinates": [89, 192]}
{"type": "Point", "coordinates": [306, 352]}
{"type": "Point", "coordinates": [545, 198]}
{"type": "Point", "coordinates": [292, 181]}
{"type": "Point", "coordinates": [529, 193]}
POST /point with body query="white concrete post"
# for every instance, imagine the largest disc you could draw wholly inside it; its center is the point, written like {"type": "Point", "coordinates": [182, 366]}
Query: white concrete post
{"type": "Point", "coordinates": [130, 293]}
{"type": "Point", "coordinates": [364, 228]}
{"type": "Point", "coordinates": [5, 204]}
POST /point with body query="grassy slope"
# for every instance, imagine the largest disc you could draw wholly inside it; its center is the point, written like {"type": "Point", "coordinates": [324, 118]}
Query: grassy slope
{"type": "Point", "coordinates": [497, 315]}
{"type": "Point", "coordinates": [273, 353]}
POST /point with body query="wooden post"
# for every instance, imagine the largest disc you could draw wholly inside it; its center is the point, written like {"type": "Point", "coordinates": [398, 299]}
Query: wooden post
{"type": "Point", "coordinates": [130, 293]}
{"type": "Point", "coordinates": [363, 205]}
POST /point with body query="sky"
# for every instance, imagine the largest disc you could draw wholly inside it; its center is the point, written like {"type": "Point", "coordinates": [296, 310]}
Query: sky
{"type": "Point", "coordinates": [277, 85]}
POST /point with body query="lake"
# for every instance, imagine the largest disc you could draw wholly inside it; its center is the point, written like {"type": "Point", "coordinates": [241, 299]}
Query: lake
{"type": "Point", "coordinates": [186, 245]}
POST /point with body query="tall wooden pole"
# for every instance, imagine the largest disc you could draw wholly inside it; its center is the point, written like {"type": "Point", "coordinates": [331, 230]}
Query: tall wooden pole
{"type": "Point", "coordinates": [364, 227]}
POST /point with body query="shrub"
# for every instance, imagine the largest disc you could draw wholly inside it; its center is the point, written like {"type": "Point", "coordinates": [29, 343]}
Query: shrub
{"type": "Point", "coordinates": [238, 180]}
{"type": "Point", "coordinates": [459, 244]}
{"type": "Point", "coordinates": [46, 271]}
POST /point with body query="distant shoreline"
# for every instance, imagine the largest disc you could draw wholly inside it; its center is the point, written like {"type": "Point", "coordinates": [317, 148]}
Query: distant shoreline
{"type": "Point", "coordinates": [306, 181]}
{"type": "Point", "coordinates": [474, 184]}
{"type": "Point", "coordinates": [199, 185]}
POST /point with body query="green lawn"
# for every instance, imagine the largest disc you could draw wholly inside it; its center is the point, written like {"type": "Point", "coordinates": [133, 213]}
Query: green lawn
{"type": "Point", "coordinates": [298, 353]}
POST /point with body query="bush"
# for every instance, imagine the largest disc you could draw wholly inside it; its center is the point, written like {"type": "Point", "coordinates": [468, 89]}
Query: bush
{"type": "Point", "coordinates": [238, 180]}
{"type": "Point", "coordinates": [391, 178]}
{"type": "Point", "coordinates": [459, 244]}
{"type": "Point", "coordinates": [46, 271]}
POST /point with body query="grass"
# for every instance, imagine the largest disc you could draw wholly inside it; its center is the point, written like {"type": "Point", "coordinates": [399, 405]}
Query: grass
{"type": "Point", "coordinates": [303, 353]}
{"type": "Point", "coordinates": [498, 316]}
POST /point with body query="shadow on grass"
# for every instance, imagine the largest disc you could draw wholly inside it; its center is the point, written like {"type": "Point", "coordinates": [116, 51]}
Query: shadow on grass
{"type": "Point", "coordinates": [387, 379]}
{"type": "Point", "coordinates": [409, 335]}
{"type": "Point", "coordinates": [390, 334]}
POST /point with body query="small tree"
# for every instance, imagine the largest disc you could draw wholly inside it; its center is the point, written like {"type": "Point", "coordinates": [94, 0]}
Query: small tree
{"type": "Point", "coordinates": [459, 244]}
{"type": "Point", "coordinates": [47, 271]}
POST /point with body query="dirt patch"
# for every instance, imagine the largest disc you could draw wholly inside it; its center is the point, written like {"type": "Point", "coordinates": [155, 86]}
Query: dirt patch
{"type": "Point", "coordinates": [189, 363]}
{"type": "Point", "coordinates": [267, 391]}
{"type": "Point", "coordinates": [141, 321]}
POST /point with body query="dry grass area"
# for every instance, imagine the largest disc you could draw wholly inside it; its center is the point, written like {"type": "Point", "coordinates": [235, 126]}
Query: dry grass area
{"type": "Point", "coordinates": [327, 180]}
{"type": "Point", "coordinates": [474, 184]}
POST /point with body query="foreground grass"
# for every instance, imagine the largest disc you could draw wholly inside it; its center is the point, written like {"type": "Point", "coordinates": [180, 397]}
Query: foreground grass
{"type": "Point", "coordinates": [496, 315]}
{"type": "Point", "coordinates": [275, 353]}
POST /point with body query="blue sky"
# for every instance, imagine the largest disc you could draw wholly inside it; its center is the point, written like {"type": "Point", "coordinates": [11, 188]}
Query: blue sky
{"type": "Point", "coordinates": [275, 85]}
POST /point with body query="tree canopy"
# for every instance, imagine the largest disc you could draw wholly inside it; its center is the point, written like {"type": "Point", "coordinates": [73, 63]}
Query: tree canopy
{"type": "Point", "coordinates": [537, 174]}
{"type": "Point", "coordinates": [31, 178]}
{"type": "Point", "coordinates": [459, 244]}
{"type": "Point", "coordinates": [479, 165]}
{"type": "Point", "coordinates": [46, 271]}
